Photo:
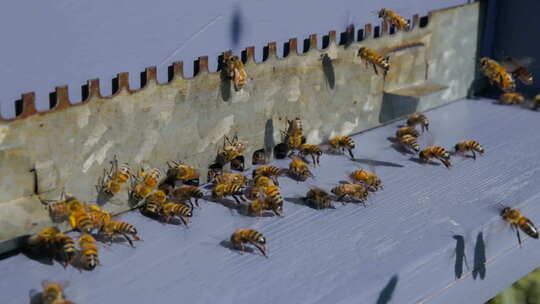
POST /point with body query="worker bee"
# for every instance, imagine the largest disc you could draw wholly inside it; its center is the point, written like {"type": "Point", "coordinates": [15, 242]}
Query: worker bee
{"type": "Point", "coordinates": [153, 203]}
{"type": "Point", "coordinates": [180, 210]}
{"type": "Point", "coordinates": [46, 238]}
{"type": "Point", "coordinates": [111, 182]}
{"type": "Point", "coordinates": [518, 221]}
{"type": "Point", "coordinates": [470, 145]}
{"type": "Point", "coordinates": [512, 98]}
{"type": "Point", "coordinates": [370, 56]}
{"type": "Point", "coordinates": [99, 218]}
{"type": "Point", "coordinates": [89, 251]}
{"type": "Point", "coordinates": [263, 181]}
{"type": "Point", "coordinates": [60, 210]}
{"type": "Point", "coordinates": [221, 190]}
{"type": "Point", "coordinates": [370, 180]}
{"type": "Point", "coordinates": [313, 150]}
{"type": "Point", "coordinates": [418, 119]}
{"type": "Point", "coordinates": [437, 152]}
{"type": "Point", "coordinates": [409, 141]}
{"type": "Point", "coordinates": [318, 198]}
{"type": "Point", "coordinates": [150, 180]}
{"type": "Point", "coordinates": [272, 172]}
{"type": "Point", "coordinates": [342, 143]}
{"type": "Point", "coordinates": [407, 131]}
{"type": "Point", "coordinates": [258, 206]}
{"type": "Point", "coordinates": [66, 246]}
{"type": "Point", "coordinates": [186, 193]}
{"type": "Point", "coordinates": [518, 69]}
{"type": "Point", "coordinates": [81, 221]}
{"type": "Point", "coordinates": [232, 150]}
{"type": "Point", "coordinates": [273, 196]}
{"type": "Point", "coordinates": [394, 19]}
{"type": "Point", "coordinates": [231, 178]}
{"type": "Point", "coordinates": [250, 236]}
{"type": "Point", "coordinates": [113, 228]}
{"type": "Point", "coordinates": [236, 71]}
{"type": "Point", "coordinates": [53, 291]}
{"type": "Point", "coordinates": [298, 169]}
{"type": "Point", "coordinates": [352, 191]}
{"type": "Point", "coordinates": [294, 137]}
{"type": "Point", "coordinates": [497, 74]}
{"type": "Point", "coordinates": [183, 172]}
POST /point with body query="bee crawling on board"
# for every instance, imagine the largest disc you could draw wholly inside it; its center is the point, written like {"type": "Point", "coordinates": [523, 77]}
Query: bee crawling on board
{"type": "Point", "coordinates": [370, 180]}
{"type": "Point", "coordinates": [112, 228]}
{"type": "Point", "coordinates": [518, 68]}
{"type": "Point", "coordinates": [409, 142]}
{"type": "Point", "coordinates": [266, 198]}
{"type": "Point", "coordinates": [370, 56]}
{"type": "Point", "coordinates": [313, 150]}
{"type": "Point", "coordinates": [518, 221]}
{"type": "Point", "coordinates": [221, 190]}
{"type": "Point", "coordinates": [232, 152]}
{"type": "Point", "coordinates": [153, 203]}
{"type": "Point", "coordinates": [418, 119]}
{"type": "Point", "coordinates": [185, 193]}
{"type": "Point", "coordinates": [356, 192]}
{"type": "Point", "coordinates": [181, 211]}
{"type": "Point", "coordinates": [235, 70]}
{"type": "Point", "coordinates": [62, 209]}
{"type": "Point", "coordinates": [53, 242]}
{"type": "Point", "coordinates": [53, 292]}
{"type": "Point", "coordinates": [407, 131]}
{"type": "Point", "coordinates": [318, 198]}
{"type": "Point", "coordinates": [299, 170]}
{"type": "Point", "coordinates": [269, 171]}
{"type": "Point", "coordinates": [393, 18]}
{"type": "Point", "coordinates": [342, 143]}
{"type": "Point", "coordinates": [249, 236]}
{"type": "Point", "coordinates": [89, 252]}
{"type": "Point", "coordinates": [112, 181]}
{"type": "Point", "coordinates": [497, 74]}
{"type": "Point", "coordinates": [231, 178]}
{"type": "Point", "coordinates": [511, 98]}
{"type": "Point", "coordinates": [436, 152]}
{"type": "Point", "coordinates": [470, 145]}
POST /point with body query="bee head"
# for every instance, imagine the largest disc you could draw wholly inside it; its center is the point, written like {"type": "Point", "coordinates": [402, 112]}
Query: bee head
{"type": "Point", "coordinates": [381, 12]}
{"type": "Point", "coordinates": [505, 211]}
{"type": "Point", "coordinates": [360, 50]}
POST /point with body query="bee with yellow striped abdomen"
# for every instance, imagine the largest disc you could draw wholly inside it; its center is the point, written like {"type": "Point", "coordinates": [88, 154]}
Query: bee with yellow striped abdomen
{"type": "Point", "coordinates": [67, 248]}
{"type": "Point", "coordinates": [518, 221]}
{"type": "Point", "coordinates": [342, 143]}
{"type": "Point", "coordinates": [231, 179]}
{"type": "Point", "coordinates": [409, 142]}
{"type": "Point", "coordinates": [183, 172]}
{"type": "Point", "coordinates": [236, 71]}
{"type": "Point", "coordinates": [299, 170]}
{"type": "Point", "coordinates": [89, 252]}
{"type": "Point", "coordinates": [370, 180]}
{"type": "Point", "coordinates": [143, 188]}
{"type": "Point", "coordinates": [270, 171]}
{"type": "Point", "coordinates": [222, 190]}
{"type": "Point", "coordinates": [313, 150]}
{"type": "Point", "coordinates": [153, 203]}
{"type": "Point", "coordinates": [249, 236]}
{"type": "Point", "coordinates": [186, 193]}
{"type": "Point", "coordinates": [113, 228]}
{"type": "Point", "coordinates": [407, 131]}
{"type": "Point", "coordinates": [355, 191]}
{"type": "Point", "coordinates": [436, 152]}
{"type": "Point", "coordinates": [469, 145]}
{"type": "Point", "coordinates": [497, 74]}
{"type": "Point", "coordinates": [418, 119]}
{"type": "Point", "coordinates": [81, 221]}
{"type": "Point", "coordinates": [393, 18]}
{"type": "Point", "coordinates": [180, 210]}
{"type": "Point", "coordinates": [370, 56]}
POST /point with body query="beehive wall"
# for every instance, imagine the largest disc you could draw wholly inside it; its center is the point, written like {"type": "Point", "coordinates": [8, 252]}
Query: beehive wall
{"type": "Point", "coordinates": [186, 119]}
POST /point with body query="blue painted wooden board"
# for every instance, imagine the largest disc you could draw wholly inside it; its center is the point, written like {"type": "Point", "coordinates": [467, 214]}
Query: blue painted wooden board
{"type": "Point", "coordinates": [400, 248]}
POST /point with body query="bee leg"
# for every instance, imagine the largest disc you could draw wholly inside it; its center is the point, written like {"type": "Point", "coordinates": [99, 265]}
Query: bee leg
{"type": "Point", "coordinates": [375, 69]}
{"type": "Point", "coordinates": [314, 161]}
{"type": "Point", "coordinates": [196, 203]}
{"type": "Point", "coordinates": [128, 239]}
{"type": "Point", "coordinates": [236, 199]}
{"type": "Point", "coordinates": [318, 160]}
{"type": "Point", "coordinates": [473, 155]}
{"type": "Point", "coordinates": [350, 153]}
{"type": "Point", "coordinates": [184, 221]}
{"type": "Point", "coordinates": [517, 232]}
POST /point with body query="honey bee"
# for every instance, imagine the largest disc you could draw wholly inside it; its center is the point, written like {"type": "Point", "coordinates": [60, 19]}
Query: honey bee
{"type": "Point", "coordinates": [272, 197]}
{"type": "Point", "coordinates": [470, 145]}
{"type": "Point", "coordinates": [250, 236]}
{"type": "Point", "coordinates": [294, 137]}
{"type": "Point", "coordinates": [180, 210]}
{"type": "Point", "coordinates": [111, 182]}
{"type": "Point", "coordinates": [67, 247]}
{"type": "Point", "coordinates": [263, 181]}
{"type": "Point", "coordinates": [394, 19]}
{"type": "Point", "coordinates": [272, 172]}
{"type": "Point", "coordinates": [221, 190]}
{"type": "Point", "coordinates": [236, 71]}
{"type": "Point", "coordinates": [342, 143]}
{"type": "Point", "coordinates": [81, 221]}
{"type": "Point", "coordinates": [512, 98]}
{"type": "Point", "coordinates": [259, 158]}
{"type": "Point", "coordinates": [318, 198]}
{"type": "Point", "coordinates": [45, 238]}
{"type": "Point", "coordinates": [183, 172]}
{"type": "Point", "coordinates": [258, 206]}
{"type": "Point", "coordinates": [518, 221]}
{"type": "Point", "coordinates": [437, 152]}
{"type": "Point", "coordinates": [113, 228]}
{"type": "Point", "coordinates": [186, 193]}
{"type": "Point", "coordinates": [518, 69]}
{"type": "Point", "coordinates": [313, 150]}
{"type": "Point", "coordinates": [150, 180]}
{"type": "Point", "coordinates": [418, 119]}
{"type": "Point", "coordinates": [370, 180]}
{"type": "Point", "coordinates": [355, 191]}
{"type": "Point", "coordinates": [61, 209]}
{"type": "Point", "coordinates": [409, 141]}
{"type": "Point", "coordinates": [89, 251]}
{"type": "Point", "coordinates": [153, 203]}
{"type": "Point", "coordinates": [497, 74]}
{"type": "Point", "coordinates": [298, 169]}
{"type": "Point", "coordinates": [370, 56]}
{"type": "Point", "coordinates": [231, 178]}
{"type": "Point", "coordinates": [407, 131]}
{"type": "Point", "coordinates": [52, 291]}
{"type": "Point", "coordinates": [232, 149]}
{"type": "Point", "coordinates": [99, 218]}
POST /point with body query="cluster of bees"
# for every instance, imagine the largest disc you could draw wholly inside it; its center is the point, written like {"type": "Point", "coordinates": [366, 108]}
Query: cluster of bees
{"type": "Point", "coordinates": [161, 197]}
{"type": "Point", "coordinates": [504, 74]}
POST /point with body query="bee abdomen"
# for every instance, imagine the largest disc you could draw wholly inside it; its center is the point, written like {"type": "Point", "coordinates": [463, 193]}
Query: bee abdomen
{"type": "Point", "coordinates": [528, 227]}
